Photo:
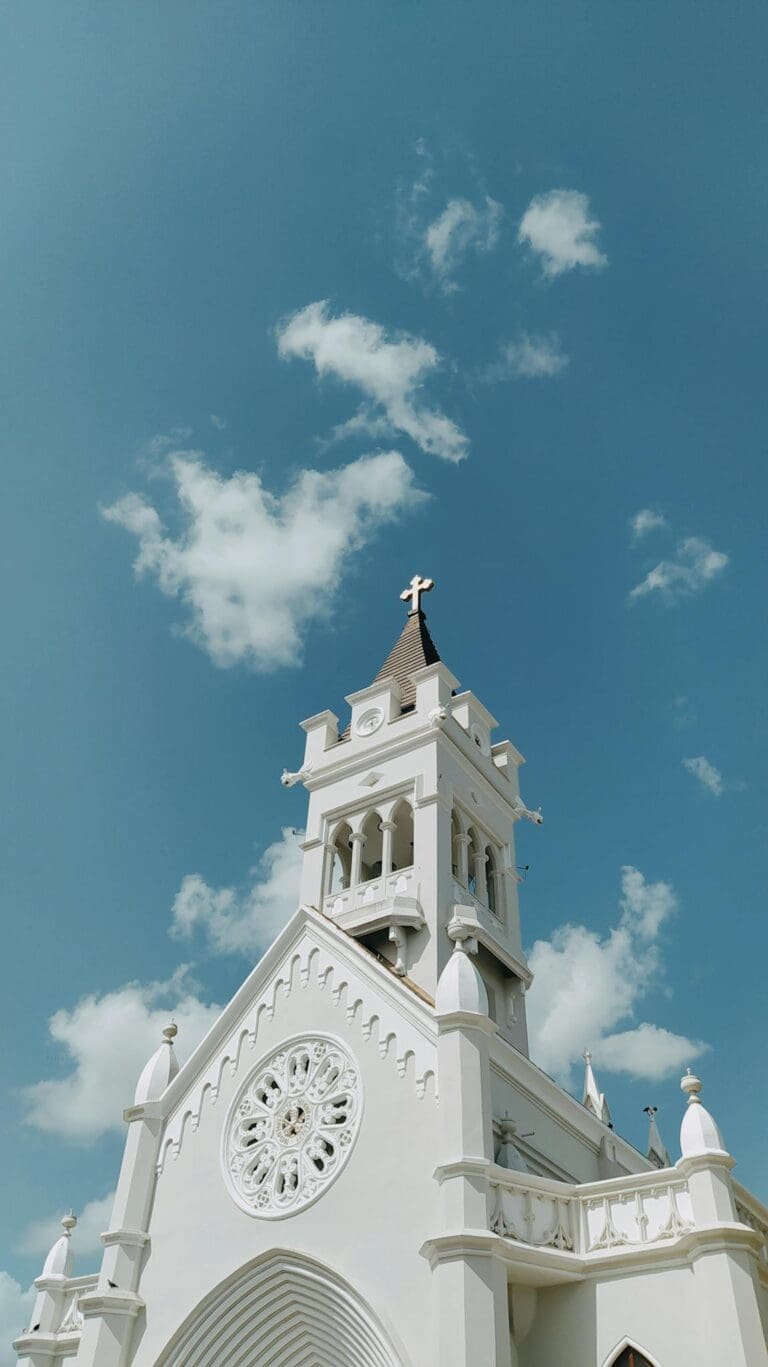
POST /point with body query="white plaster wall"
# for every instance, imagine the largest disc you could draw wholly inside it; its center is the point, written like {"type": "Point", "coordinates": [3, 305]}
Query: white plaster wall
{"type": "Point", "coordinates": [368, 1225]}
{"type": "Point", "coordinates": [582, 1323]}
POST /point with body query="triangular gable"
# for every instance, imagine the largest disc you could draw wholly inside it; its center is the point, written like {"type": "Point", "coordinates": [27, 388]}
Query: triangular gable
{"type": "Point", "coordinates": [309, 949]}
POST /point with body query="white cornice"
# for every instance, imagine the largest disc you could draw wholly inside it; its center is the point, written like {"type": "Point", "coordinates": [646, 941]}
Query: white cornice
{"type": "Point", "coordinates": [309, 949]}
{"type": "Point", "coordinates": [549, 1097]}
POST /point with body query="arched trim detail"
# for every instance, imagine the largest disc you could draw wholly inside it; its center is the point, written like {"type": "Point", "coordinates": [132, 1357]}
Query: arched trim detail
{"type": "Point", "coordinates": [282, 1310]}
{"type": "Point", "coordinates": [622, 1347]}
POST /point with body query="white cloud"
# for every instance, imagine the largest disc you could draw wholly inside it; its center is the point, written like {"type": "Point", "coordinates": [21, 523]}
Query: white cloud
{"type": "Point", "coordinates": [253, 569]}
{"type": "Point", "coordinates": [389, 370]}
{"type": "Point", "coordinates": [15, 1307]}
{"type": "Point", "coordinates": [709, 777]}
{"type": "Point", "coordinates": [557, 226]}
{"type": "Point", "coordinates": [694, 565]}
{"type": "Point", "coordinates": [92, 1220]}
{"type": "Point", "coordinates": [645, 521]}
{"type": "Point", "coordinates": [529, 358]}
{"type": "Point", "coordinates": [219, 423]}
{"type": "Point", "coordinates": [243, 922]}
{"type": "Point", "coordinates": [586, 985]}
{"type": "Point", "coordinates": [106, 1041]}
{"type": "Point", "coordinates": [459, 229]}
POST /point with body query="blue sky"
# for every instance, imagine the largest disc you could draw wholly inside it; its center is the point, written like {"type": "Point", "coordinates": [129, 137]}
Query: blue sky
{"type": "Point", "coordinates": [540, 232]}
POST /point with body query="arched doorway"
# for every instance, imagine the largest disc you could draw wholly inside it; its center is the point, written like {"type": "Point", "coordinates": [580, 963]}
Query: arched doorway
{"type": "Point", "coordinates": [284, 1310]}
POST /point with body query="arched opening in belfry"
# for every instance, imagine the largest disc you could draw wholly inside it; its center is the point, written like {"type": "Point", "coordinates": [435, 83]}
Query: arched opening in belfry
{"type": "Point", "coordinates": [455, 846]}
{"type": "Point", "coordinates": [370, 866]}
{"type": "Point", "coordinates": [284, 1310]}
{"type": "Point", "coordinates": [473, 855]}
{"type": "Point", "coordinates": [341, 871]}
{"type": "Point", "coordinates": [402, 836]}
{"type": "Point", "coordinates": [493, 891]}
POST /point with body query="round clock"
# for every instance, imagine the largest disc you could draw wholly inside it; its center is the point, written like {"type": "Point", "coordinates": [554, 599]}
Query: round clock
{"type": "Point", "coordinates": [369, 722]}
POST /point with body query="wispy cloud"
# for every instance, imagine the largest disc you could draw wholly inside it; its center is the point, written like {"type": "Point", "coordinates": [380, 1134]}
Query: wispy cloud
{"type": "Point", "coordinates": [683, 713]}
{"type": "Point", "coordinates": [217, 422]}
{"type": "Point", "coordinates": [645, 521]}
{"type": "Point", "coordinates": [252, 568]}
{"type": "Point", "coordinates": [585, 985]}
{"type": "Point", "coordinates": [557, 226]}
{"type": "Point", "coordinates": [694, 564]}
{"type": "Point", "coordinates": [243, 921]}
{"type": "Point", "coordinates": [529, 357]}
{"type": "Point", "coordinates": [106, 1040]}
{"type": "Point", "coordinates": [388, 368]}
{"type": "Point", "coordinates": [707, 774]}
{"type": "Point", "coordinates": [461, 228]}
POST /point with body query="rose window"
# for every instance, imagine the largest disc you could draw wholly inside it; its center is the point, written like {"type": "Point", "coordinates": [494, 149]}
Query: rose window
{"type": "Point", "coordinates": [292, 1126]}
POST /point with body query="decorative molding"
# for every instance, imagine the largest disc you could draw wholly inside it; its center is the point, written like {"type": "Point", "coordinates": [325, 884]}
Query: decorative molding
{"type": "Point", "coordinates": [309, 952]}
{"type": "Point", "coordinates": [292, 1126]}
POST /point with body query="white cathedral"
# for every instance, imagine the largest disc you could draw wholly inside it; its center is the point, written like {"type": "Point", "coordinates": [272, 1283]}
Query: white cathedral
{"type": "Point", "coordinates": [360, 1165]}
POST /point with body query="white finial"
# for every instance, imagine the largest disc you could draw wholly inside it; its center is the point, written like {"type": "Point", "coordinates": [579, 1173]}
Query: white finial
{"type": "Point", "coordinates": [414, 591]}
{"type": "Point", "coordinates": [699, 1132]}
{"type": "Point", "coordinates": [59, 1260]}
{"type": "Point", "coordinates": [161, 1069]}
{"type": "Point", "coordinates": [691, 1085]}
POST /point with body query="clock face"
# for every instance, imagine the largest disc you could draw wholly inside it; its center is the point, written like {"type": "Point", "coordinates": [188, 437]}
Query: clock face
{"type": "Point", "coordinates": [369, 722]}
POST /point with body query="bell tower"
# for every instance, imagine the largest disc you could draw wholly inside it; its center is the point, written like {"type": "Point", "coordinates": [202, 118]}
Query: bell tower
{"type": "Point", "coordinates": [411, 823]}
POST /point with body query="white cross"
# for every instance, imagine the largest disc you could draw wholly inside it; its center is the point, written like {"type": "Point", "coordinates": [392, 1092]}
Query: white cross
{"type": "Point", "coordinates": [414, 591]}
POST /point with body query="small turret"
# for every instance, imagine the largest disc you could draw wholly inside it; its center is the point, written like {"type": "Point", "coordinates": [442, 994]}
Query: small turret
{"type": "Point", "coordinates": [461, 987]}
{"type": "Point", "coordinates": [657, 1150]}
{"type": "Point", "coordinates": [160, 1070]}
{"type": "Point", "coordinates": [592, 1097]}
{"type": "Point", "coordinates": [59, 1260]}
{"type": "Point", "coordinates": [698, 1132]}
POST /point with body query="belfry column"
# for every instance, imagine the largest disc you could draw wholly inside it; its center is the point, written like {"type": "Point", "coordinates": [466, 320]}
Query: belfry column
{"type": "Point", "coordinates": [472, 1295]}
{"type": "Point", "coordinates": [110, 1310]}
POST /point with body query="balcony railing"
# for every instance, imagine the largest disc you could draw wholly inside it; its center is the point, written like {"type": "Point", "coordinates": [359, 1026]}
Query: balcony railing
{"type": "Point", "coordinates": [596, 1217]}
{"type": "Point", "coordinates": [401, 883]}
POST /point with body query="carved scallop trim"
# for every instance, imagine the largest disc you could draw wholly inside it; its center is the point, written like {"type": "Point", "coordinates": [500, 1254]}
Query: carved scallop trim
{"type": "Point", "coordinates": [414, 1056]}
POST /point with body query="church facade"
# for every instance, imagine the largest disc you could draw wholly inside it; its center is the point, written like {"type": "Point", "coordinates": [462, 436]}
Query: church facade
{"type": "Point", "coordinates": [360, 1165]}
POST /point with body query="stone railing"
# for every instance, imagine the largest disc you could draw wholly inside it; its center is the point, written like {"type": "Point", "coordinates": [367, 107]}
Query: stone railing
{"type": "Point", "coordinates": [402, 883]}
{"type": "Point", "coordinates": [752, 1212]}
{"type": "Point", "coordinates": [619, 1213]}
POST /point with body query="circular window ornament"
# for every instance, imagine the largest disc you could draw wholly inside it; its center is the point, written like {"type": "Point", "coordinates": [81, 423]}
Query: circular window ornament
{"type": "Point", "coordinates": [369, 722]}
{"type": "Point", "coordinates": [292, 1126]}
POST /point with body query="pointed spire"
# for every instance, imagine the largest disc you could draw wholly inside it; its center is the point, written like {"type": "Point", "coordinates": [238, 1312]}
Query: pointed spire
{"type": "Point", "coordinates": [698, 1132]}
{"type": "Point", "coordinates": [657, 1150]}
{"type": "Point", "coordinates": [414, 649]}
{"type": "Point", "coordinates": [593, 1098]}
{"type": "Point", "coordinates": [160, 1070]}
{"type": "Point", "coordinates": [59, 1260]}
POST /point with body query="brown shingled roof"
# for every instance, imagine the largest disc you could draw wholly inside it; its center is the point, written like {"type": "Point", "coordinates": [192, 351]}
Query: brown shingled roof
{"type": "Point", "coordinates": [413, 650]}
